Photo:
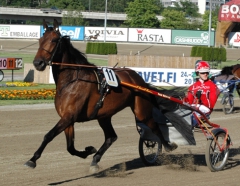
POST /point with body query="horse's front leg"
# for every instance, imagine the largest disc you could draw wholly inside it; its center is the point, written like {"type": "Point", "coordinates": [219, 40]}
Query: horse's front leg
{"type": "Point", "coordinates": [69, 132]}
{"type": "Point", "coordinates": [57, 129]}
{"type": "Point", "coordinates": [110, 137]}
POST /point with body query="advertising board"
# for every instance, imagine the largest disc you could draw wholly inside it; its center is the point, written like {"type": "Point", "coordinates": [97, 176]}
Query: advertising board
{"type": "Point", "coordinates": [19, 31]}
{"type": "Point", "coordinates": [112, 34]}
{"type": "Point", "coordinates": [75, 32]}
{"type": "Point", "coordinates": [234, 39]}
{"type": "Point", "coordinates": [146, 35]}
{"type": "Point", "coordinates": [192, 37]}
{"type": "Point", "coordinates": [230, 11]}
{"type": "Point", "coordinates": [167, 76]}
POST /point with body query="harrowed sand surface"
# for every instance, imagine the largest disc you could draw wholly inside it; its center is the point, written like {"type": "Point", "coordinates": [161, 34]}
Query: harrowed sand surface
{"type": "Point", "coordinates": [23, 128]}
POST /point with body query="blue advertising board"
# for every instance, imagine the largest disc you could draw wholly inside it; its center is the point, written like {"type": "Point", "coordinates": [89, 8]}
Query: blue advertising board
{"type": "Point", "coordinates": [75, 32]}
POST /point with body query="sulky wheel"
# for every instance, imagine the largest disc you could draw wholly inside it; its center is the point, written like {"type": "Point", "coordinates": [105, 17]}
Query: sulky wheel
{"type": "Point", "coordinates": [215, 159]}
{"type": "Point", "coordinates": [228, 104]}
{"type": "Point", "coordinates": [149, 151]}
{"type": "Point", "coordinates": [1, 75]}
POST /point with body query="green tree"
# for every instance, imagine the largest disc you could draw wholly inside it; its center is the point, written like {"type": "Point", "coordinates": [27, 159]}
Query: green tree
{"type": "Point", "coordinates": [142, 13]}
{"type": "Point", "coordinates": [174, 19]}
{"type": "Point", "coordinates": [205, 18]}
{"type": "Point", "coordinates": [190, 9]}
{"type": "Point", "coordinates": [73, 18]}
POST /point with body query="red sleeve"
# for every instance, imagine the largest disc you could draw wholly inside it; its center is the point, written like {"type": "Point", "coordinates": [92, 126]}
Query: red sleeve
{"type": "Point", "coordinates": [190, 96]}
{"type": "Point", "coordinates": [213, 95]}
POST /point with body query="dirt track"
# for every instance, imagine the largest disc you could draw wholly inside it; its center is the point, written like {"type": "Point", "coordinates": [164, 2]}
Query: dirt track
{"type": "Point", "coordinates": [23, 128]}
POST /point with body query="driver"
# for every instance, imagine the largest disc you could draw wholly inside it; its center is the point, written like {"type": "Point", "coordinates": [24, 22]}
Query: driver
{"type": "Point", "coordinates": [203, 93]}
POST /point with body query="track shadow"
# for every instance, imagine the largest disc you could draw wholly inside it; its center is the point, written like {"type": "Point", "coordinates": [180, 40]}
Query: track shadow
{"type": "Point", "coordinates": [188, 162]}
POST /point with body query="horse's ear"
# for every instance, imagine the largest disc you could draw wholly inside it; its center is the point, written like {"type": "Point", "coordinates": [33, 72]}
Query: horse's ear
{"type": "Point", "coordinates": [55, 26]}
{"type": "Point", "coordinates": [45, 26]}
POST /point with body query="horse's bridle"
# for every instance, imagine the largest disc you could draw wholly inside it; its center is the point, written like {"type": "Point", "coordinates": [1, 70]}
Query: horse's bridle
{"type": "Point", "coordinates": [53, 52]}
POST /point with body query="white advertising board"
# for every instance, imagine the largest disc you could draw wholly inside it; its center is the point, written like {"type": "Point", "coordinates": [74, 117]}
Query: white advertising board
{"type": "Point", "coordinates": [19, 31]}
{"type": "Point", "coordinates": [167, 76]}
{"type": "Point", "coordinates": [234, 39]}
{"type": "Point", "coordinates": [149, 35]}
{"type": "Point", "coordinates": [112, 34]}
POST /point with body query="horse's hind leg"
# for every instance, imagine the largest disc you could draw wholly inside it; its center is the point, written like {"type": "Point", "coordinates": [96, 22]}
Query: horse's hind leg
{"type": "Point", "coordinates": [69, 132]}
{"type": "Point", "coordinates": [110, 137]}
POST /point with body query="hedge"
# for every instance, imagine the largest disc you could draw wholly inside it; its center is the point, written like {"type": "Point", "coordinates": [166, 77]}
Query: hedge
{"type": "Point", "coordinates": [101, 48]}
{"type": "Point", "coordinates": [209, 53]}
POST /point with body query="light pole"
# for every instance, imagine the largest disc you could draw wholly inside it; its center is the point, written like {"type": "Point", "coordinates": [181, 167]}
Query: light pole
{"type": "Point", "coordinates": [210, 24]}
{"type": "Point", "coordinates": [105, 21]}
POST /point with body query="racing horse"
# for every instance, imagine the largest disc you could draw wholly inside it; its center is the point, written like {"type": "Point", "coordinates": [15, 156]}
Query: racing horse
{"type": "Point", "coordinates": [94, 36]}
{"type": "Point", "coordinates": [82, 95]}
{"type": "Point", "coordinates": [229, 73]}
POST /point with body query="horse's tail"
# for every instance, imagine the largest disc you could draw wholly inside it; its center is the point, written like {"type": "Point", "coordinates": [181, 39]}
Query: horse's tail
{"type": "Point", "coordinates": [183, 126]}
{"type": "Point", "coordinates": [171, 110]}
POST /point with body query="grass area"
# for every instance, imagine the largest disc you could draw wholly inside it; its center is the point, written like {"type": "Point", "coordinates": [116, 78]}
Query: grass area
{"type": "Point", "coordinates": [228, 63]}
{"type": "Point", "coordinates": [23, 102]}
{"type": "Point", "coordinates": [38, 86]}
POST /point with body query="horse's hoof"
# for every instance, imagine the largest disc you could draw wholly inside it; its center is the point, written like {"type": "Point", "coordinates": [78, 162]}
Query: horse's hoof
{"type": "Point", "coordinates": [30, 164]}
{"type": "Point", "coordinates": [94, 169]}
{"type": "Point", "coordinates": [90, 150]}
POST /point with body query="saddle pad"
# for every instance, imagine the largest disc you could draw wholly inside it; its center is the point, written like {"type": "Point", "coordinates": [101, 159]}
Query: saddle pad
{"type": "Point", "coordinates": [110, 76]}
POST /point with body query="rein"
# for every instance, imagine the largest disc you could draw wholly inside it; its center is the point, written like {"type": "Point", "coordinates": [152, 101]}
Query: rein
{"type": "Point", "coordinates": [74, 65]}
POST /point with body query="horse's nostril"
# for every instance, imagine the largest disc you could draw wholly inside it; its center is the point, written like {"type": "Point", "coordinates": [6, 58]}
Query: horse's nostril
{"type": "Point", "coordinates": [39, 64]}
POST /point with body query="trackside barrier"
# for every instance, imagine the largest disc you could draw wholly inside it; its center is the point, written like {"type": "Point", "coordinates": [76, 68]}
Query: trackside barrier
{"type": "Point", "coordinates": [152, 61]}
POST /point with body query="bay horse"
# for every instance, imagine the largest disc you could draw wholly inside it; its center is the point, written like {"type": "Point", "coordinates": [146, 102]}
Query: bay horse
{"type": "Point", "coordinates": [79, 99]}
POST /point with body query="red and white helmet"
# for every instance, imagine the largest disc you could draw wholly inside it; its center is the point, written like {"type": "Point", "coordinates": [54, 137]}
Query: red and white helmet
{"type": "Point", "coordinates": [202, 66]}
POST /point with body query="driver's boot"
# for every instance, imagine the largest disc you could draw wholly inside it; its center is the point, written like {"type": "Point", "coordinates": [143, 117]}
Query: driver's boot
{"type": "Point", "coordinates": [169, 146]}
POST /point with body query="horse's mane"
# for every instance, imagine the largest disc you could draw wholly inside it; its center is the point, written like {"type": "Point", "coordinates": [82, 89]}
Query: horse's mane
{"type": "Point", "coordinates": [74, 54]}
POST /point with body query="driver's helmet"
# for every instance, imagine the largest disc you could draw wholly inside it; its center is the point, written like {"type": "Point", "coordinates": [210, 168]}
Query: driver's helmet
{"type": "Point", "coordinates": [202, 66]}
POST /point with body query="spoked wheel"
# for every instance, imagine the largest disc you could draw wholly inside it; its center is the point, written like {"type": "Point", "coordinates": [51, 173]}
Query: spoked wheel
{"type": "Point", "coordinates": [215, 159]}
{"type": "Point", "coordinates": [149, 151]}
{"type": "Point", "coordinates": [228, 104]}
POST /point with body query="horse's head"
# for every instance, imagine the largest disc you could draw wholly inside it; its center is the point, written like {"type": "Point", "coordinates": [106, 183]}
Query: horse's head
{"type": "Point", "coordinates": [48, 45]}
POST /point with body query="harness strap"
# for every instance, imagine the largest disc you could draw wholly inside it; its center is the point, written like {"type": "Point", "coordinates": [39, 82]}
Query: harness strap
{"type": "Point", "coordinates": [104, 89]}
{"type": "Point", "coordinates": [103, 93]}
